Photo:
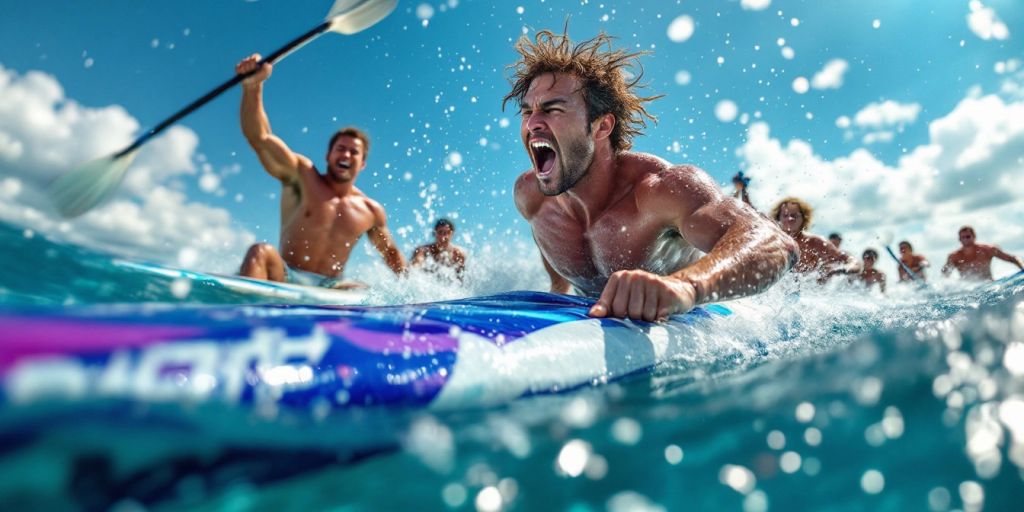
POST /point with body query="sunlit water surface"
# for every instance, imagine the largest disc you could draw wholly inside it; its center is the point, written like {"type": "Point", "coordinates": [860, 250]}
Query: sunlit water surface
{"type": "Point", "coordinates": [822, 399]}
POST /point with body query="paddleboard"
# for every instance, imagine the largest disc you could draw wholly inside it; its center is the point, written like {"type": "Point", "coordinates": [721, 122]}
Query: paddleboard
{"type": "Point", "coordinates": [270, 290]}
{"type": "Point", "coordinates": [445, 355]}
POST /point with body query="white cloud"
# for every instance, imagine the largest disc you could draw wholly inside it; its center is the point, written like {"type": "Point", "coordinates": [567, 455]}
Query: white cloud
{"type": "Point", "coordinates": [882, 136]}
{"type": "Point", "coordinates": [886, 114]}
{"type": "Point", "coordinates": [43, 134]}
{"type": "Point", "coordinates": [755, 5]}
{"type": "Point", "coordinates": [985, 23]}
{"type": "Point", "coordinates": [968, 173]}
{"type": "Point", "coordinates": [831, 76]}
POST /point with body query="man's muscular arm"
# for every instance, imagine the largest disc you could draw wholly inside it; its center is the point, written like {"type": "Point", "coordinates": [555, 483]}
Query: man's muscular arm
{"type": "Point", "coordinates": [834, 261]}
{"type": "Point", "coordinates": [745, 253]}
{"type": "Point", "coordinates": [947, 269]}
{"type": "Point", "coordinates": [382, 240]}
{"type": "Point", "coordinates": [559, 284]}
{"type": "Point", "coordinates": [277, 158]}
{"type": "Point", "coordinates": [1016, 260]}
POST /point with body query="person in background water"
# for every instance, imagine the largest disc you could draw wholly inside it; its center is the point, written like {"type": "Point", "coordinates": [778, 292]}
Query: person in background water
{"type": "Point", "coordinates": [835, 239]}
{"type": "Point", "coordinates": [817, 255]}
{"type": "Point", "coordinates": [741, 183]}
{"type": "Point", "coordinates": [647, 238]}
{"type": "Point", "coordinates": [974, 260]}
{"type": "Point", "coordinates": [869, 275]}
{"type": "Point", "coordinates": [322, 215]}
{"type": "Point", "coordinates": [442, 252]}
{"type": "Point", "coordinates": [915, 262]}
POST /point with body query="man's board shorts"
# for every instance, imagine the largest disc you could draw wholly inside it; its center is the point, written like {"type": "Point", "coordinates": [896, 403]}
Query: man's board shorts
{"type": "Point", "coordinates": [306, 278]}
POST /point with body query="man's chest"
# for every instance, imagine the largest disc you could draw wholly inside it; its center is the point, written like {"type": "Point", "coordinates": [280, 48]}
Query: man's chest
{"type": "Point", "coordinates": [337, 217]}
{"type": "Point", "coordinates": [614, 242]}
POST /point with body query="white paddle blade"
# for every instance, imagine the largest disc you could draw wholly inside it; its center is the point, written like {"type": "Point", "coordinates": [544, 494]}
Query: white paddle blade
{"type": "Point", "coordinates": [82, 189]}
{"type": "Point", "coordinates": [885, 238]}
{"type": "Point", "coordinates": [352, 16]}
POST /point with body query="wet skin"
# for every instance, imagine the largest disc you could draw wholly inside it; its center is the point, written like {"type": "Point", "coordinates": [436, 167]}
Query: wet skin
{"type": "Point", "coordinates": [974, 261]}
{"type": "Point", "coordinates": [631, 228]}
{"type": "Point", "coordinates": [441, 252]}
{"type": "Point", "coordinates": [816, 253]}
{"type": "Point", "coordinates": [915, 262]}
{"type": "Point", "coordinates": [322, 215]}
{"type": "Point", "coordinates": [870, 276]}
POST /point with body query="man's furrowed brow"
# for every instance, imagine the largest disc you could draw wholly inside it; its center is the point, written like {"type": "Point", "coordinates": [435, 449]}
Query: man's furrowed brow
{"type": "Point", "coordinates": [546, 103]}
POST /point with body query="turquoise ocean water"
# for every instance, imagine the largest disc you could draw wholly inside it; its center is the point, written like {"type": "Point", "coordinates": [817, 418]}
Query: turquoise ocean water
{"type": "Point", "coordinates": [914, 401]}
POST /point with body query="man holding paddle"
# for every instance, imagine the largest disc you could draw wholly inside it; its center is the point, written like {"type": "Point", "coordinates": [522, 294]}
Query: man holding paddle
{"type": "Point", "coordinates": [322, 215]}
{"type": "Point", "coordinates": [647, 238]}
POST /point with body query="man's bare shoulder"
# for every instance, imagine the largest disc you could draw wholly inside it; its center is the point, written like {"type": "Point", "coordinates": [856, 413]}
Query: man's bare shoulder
{"type": "Point", "coordinates": [661, 184]}
{"type": "Point", "coordinates": [527, 194]}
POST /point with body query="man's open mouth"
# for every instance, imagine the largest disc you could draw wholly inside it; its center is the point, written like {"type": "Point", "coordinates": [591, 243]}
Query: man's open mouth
{"type": "Point", "coordinates": [345, 165]}
{"type": "Point", "coordinates": [544, 156]}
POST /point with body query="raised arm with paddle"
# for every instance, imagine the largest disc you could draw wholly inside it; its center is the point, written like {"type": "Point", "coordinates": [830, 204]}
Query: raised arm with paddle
{"type": "Point", "coordinates": [82, 189]}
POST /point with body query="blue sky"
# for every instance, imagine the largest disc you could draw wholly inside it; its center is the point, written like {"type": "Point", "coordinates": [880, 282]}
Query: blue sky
{"type": "Point", "coordinates": [900, 103]}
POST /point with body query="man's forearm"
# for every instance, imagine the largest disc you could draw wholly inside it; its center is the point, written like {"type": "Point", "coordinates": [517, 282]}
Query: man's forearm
{"type": "Point", "coordinates": [395, 261]}
{"type": "Point", "coordinates": [255, 123]}
{"type": "Point", "coordinates": [741, 264]}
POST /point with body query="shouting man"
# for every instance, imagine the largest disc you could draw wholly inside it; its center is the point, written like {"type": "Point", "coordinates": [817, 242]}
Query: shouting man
{"type": "Point", "coordinates": [322, 215]}
{"type": "Point", "coordinates": [647, 237]}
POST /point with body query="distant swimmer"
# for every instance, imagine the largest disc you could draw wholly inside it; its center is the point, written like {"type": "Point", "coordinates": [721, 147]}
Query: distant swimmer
{"type": "Point", "coordinates": [816, 254]}
{"type": "Point", "coordinates": [974, 260]}
{"type": "Point", "coordinates": [869, 275]}
{"type": "Point", "coordinates": [647, 237]}
{"type": "Point", "coordinates": [322, 215]}
{"type": "Point", "coordinates": [441, 253]}
{"type": "Point", "coordinates": [741, 183]}
{"type": "Point", "coordinates": [835, 239]}
{"type": "Point", "coordinates": [915, 262]}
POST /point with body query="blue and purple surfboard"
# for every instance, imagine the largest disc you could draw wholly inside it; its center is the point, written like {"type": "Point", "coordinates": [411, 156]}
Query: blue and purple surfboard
{"type": "Point", "coordinates": [463, 353]}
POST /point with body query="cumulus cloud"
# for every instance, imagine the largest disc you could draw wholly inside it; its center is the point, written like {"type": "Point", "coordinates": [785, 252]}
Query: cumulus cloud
{"type": "Point", "coordinates": [44, 134]}
{"type": "Point", "coordinates": [831, 76]}
{"type": "Point", "coordinates": [881, 121]}
{"type": "Point", "coordinates": [985, 23]}
{"type": "Point", "coordinates": [886, 114]}
{"type": "Point", "coordinates": [966, 174]}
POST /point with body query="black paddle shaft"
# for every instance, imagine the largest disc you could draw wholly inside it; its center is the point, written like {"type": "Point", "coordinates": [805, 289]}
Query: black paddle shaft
{"type": "Point", "coordinates": [235, 80]}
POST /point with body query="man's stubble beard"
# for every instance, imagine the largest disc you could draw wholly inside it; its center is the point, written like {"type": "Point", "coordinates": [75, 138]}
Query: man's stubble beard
{"type": "Point", "coordinates": [581, 154]}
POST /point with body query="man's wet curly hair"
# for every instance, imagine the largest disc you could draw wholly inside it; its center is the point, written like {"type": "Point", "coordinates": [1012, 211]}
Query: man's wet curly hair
{"type": "Point", "coordinates": [805, 209]}
{"type": "Point", "coordinates": [601, 72]}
